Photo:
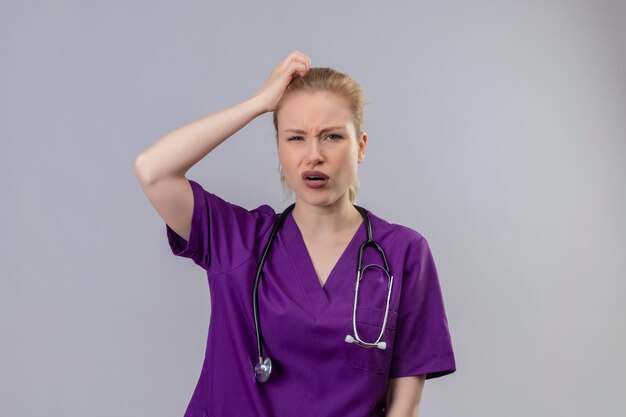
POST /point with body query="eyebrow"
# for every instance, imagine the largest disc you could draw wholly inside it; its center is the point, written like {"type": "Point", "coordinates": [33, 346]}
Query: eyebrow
{"type": "Point", "coordinates": [326, 129]}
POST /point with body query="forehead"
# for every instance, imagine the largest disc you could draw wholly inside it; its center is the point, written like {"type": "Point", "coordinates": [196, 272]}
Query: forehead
{"type": "Point", "coordinates": [312, 111]}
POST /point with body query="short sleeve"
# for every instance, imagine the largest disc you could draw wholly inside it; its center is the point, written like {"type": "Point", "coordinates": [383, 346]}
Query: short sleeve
{"type": "Point", "coordinates": [422, 343]}
{"type": "Point", "coordinates": [223, 235]}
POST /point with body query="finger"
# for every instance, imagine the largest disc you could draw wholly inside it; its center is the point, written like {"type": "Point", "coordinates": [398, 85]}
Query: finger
{"type": "Point", "coordinates": [292, 66]}
{"type": "Point", "coordinates": [307, 59]}
{"type": "Point", "coordinates": [301, 60]}
{"type": "Point", "coordinates": [298, 54]}
{"type": "Point", "coordinates": [288, 59]}
{"type": "Point", "coordinates": [306, 62]}
{"type": "Point", "coordinates": [299, 68]}
{"type": "Point", "coordinates": [304, 58]}
{"type": "Point", "coordinates": [291, 59]}
{"type": "Point", "coordinates": [296, 68]}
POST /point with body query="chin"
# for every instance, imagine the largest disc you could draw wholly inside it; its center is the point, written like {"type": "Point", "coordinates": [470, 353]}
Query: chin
{"type": "Point", "coordinates": [320, 200]}
{"type": "Point", "coordinates": [317, 202]}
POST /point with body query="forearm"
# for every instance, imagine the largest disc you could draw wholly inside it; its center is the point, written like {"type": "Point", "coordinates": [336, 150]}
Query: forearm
{"type": "Point", "coordinates": [399, 409]}
{"type": "Point", "coordinates": [404, 395]}
{"type": "Point", "coordinates": [175, 153]}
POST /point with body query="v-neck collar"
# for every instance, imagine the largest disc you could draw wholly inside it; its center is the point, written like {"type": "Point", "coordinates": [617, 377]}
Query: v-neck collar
{"type": "Point", "coordinates": [344, 270]}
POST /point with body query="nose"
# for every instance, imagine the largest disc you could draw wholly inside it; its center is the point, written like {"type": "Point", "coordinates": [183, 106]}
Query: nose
{"type": "Point", "coordinates": [314, 154]}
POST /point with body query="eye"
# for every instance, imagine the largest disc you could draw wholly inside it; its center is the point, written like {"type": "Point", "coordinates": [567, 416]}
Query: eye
{"type": "Point", "coordinates": [294, 138]}
{"type": "Point", "coordinates": [334, 137]}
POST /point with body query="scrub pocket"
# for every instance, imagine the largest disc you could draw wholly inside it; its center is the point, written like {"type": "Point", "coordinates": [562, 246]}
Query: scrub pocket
{"type": "Point", "coordinates": [369, 321]}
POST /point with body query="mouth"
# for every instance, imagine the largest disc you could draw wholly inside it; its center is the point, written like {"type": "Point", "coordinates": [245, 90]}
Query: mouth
{"type": "Point", "coordinates": [314, 179]}
{"type": "Point", "coordinates": [314, 176]}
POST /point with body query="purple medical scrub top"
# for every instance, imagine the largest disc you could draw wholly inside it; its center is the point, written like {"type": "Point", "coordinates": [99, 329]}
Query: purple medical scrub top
{"type": "Point", "coordinates": [304, 324]}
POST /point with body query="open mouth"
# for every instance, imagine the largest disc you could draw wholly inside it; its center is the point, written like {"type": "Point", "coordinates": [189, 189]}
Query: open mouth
{"type": "Point", "coordinates": [315, 179]}
{"type": "Point", "coordinates": [314, 176]}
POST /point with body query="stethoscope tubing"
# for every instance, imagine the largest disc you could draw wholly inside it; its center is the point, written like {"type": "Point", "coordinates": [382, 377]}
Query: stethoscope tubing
{"type": "Point", "coordinates": [255, 298]}
{"type": "Point", "coordinates": [264, 367]}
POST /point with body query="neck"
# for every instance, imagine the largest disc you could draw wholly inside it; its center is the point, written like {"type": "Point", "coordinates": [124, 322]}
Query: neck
{"type": "Point", "coordinates": [326, 220]}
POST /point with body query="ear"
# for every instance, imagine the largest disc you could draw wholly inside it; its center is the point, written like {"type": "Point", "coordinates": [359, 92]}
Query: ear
{"type": "Point", "coordinates": [362, 146]}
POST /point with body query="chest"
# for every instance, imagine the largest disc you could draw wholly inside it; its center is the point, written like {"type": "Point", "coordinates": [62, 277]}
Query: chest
{"type": "Point", "coordinates": [324, 255]}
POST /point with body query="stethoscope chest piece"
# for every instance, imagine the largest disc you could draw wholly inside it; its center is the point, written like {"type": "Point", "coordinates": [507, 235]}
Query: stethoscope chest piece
{"type": "Point", "coordinates": [263, 369]}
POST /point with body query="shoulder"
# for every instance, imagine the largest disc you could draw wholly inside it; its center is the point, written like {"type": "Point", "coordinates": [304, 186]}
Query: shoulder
{"type": "Point", "coordinates": [396, 235]}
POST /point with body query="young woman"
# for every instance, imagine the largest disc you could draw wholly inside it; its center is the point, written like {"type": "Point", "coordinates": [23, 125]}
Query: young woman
{"type": "Point", "coordinates": [289, 335]}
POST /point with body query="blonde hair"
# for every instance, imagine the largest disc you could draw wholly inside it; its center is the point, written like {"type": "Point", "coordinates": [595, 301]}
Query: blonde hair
{"type": "Point", "coordinates": [327, 79]}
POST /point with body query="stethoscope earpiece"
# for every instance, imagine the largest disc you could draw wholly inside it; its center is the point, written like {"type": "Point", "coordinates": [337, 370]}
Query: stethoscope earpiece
{"type": "Point", "coordinates": [379, 345]}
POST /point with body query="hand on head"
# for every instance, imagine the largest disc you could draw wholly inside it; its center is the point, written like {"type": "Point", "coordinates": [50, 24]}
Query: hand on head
{"type": "Point", "coordinates": [296, 63]}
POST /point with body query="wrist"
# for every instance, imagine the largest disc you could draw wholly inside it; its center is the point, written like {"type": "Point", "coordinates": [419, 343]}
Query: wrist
{"type": "Point", "coordinates": [257, 106]}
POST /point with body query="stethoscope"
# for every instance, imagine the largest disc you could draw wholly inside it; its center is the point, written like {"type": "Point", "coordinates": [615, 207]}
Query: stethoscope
{"type": "Point", "coordinates": [263, 369]}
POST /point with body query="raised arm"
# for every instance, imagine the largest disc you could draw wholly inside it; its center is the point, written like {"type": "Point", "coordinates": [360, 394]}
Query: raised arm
{"type": "Point", "coordinates": [161, 168]}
